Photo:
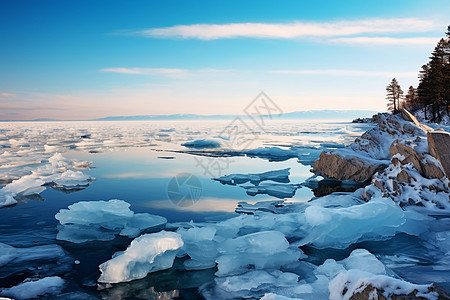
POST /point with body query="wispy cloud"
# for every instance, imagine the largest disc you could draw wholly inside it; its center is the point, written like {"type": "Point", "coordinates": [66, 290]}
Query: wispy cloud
{"type": "Point", "coordinates": [290, 30]}
{"type": "Point", "coordinates": [338, 72]}
{"type": "Point", "coordinates": [168, 72]}
{"type": "Point", "coordinates": [7, 95]}
{"type": "Point", "coordinates": [148, 71]}
{"type": "Point", "coordinates": [388, 41]}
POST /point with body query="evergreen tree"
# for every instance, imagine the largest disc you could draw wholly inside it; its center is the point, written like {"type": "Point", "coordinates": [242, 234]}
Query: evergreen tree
{"type": "Point", "coordinates": [394, 95]}
{"type": "Point", "coordinates": [434, 87]}
{"type": "Point", "coordinates": [411, 98]}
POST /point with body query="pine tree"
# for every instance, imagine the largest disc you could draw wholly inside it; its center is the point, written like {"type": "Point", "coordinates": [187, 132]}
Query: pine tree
{"type": "Point", "coordinates": [411, 98]}
{"type": "Point", "coordinates": [394, 95]}
{"type": "Point", "coordinates": [434, 87]}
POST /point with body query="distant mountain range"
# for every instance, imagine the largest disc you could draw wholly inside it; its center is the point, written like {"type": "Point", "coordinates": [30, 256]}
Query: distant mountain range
{"type": "Point", "coordinates": [308, 114]}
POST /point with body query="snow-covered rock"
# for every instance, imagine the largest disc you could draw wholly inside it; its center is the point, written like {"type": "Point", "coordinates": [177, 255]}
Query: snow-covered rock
{"type": "Point", "coordinates": [370, 152]}
{"type": "Point", "coordinates": [357, 284]}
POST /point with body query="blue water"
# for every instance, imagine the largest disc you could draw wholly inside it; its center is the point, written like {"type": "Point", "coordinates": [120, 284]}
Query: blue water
{"type": "Point", "coordinates": [140, 176]}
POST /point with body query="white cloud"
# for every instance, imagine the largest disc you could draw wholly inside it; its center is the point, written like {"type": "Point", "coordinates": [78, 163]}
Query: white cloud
{"type": "Point", "coordinates": [388, 41]}
{"type": "Point", "coordinates": [290, 30]}
{"type": "Point", "coordinates": [148, 71]}
{"type": "Point", "coordinates": [174, 73]}
{"type": "Point", "coordinates": [338, 72]}
{"type": "Point", "coordinates": [7, 95]}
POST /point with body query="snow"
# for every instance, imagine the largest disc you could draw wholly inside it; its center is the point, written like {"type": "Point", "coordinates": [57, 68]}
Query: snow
{"type": "Point", "coordinates": [353, 281]}
{"type": "Point", "coordinates": [102, 220]}
{"type": "Point", "coordinates": [35, 288]}
{"type": "Point", "coordinates": [147, 253]}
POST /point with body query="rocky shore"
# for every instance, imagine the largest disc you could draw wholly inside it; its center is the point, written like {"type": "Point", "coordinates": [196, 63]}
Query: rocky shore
{"type": "Point", "coordinates": [403, 160]}
{"type": "Point", "coordinates": [400, 157]}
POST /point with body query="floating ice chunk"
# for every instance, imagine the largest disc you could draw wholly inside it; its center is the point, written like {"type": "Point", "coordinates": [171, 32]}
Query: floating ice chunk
{"type": "Point", "coordinates": [275, 190]}
{"type": "Point", "coordinates": [362, 259]}
{"type": "Point", "coordinates": [268, 206]}
{"type": "Point", "coordinates": [265, 249]}
{"type": "Point", "coordinates": [377, 219]}
{"type": "Point", "coordinates": [250, 285]}
{"type": "Point", "coordinates": [35, 288]}
{"type": "Point", "coordinates": [6, 199]}
{"type": "Point", "coordinates": [9, 253]}
{"type": "Point", "coordinates": [54, 173]}
{"type": "Point", "coordinates": [110, 214]}
{"type": "Point", "coordinates": [199, 245]}
{"type": "Point", "coordinates": [101, 220]}
{"type": "Point", "coordinates": [202, 144]}
{"type": "Point", "coordinates": [84, 233]}
{"type": "Point", "coordinates": [69, 179]}
{"type": "Point", "coordinates": [27, 185]}
{"type": "Point", "coordinates": [354, 281]}
{"type": "Point", "coordinates": [142, 222]}
{"type": "Point", "coordinates": [277, 175]}
{"type": "Point", "coordinates": [272, 296]}
{"type": "Point", "coordinates": [271, 153]}
{"type": "Point", "coordinates": [146, 254]}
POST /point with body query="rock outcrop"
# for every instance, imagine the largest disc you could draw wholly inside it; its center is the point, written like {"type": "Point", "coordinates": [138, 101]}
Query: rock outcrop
{"type": "Point", "coordinates": [405, 161]}
{"type": "Point", "coordinates": [439, 148]}
{"type": "Point", "coordinates": [406, 115]}
{"type": "Point", "coordinates": [370, 152]}
{"type": "Point", "coordinates": [333, 165]}
{"type": "Point", "coordinates": [371, 292]}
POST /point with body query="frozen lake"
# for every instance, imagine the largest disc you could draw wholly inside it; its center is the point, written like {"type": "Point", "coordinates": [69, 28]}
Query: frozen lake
{"type": "Point", "coordinates": [139, 162]}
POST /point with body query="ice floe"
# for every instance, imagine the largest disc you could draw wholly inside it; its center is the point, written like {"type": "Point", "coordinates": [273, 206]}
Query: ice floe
{"type": "Point", "coordinates": [277, 176]}
{"type": "Point", "coordinates": [277, 189]}
{"type": "Point", "coordinates": [147, 253]}
{"type": "Point", "coordinates": [55, 173]}
{"type": "Point", "coordinates": [103, 220]}
{"type": "Point", "coordinates": [202, 144]}
{"type": "Point", "coordinates": [31, 288]}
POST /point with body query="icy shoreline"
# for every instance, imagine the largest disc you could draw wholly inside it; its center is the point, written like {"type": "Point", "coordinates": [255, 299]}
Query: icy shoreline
{"type": "Point", "coordinates": [270, 251]}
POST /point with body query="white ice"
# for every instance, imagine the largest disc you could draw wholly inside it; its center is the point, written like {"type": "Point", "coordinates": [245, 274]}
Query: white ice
{"type": "Point", "coordinates": [147, 253]}
{"type": "Point", "coordinates": [277, 175]}
{"type": "Point", "coordinates": [202, 144]}
{"type": "Point", "coordinates": [31, 288]}
{"type": "Point", "coordinates": [55, 172]}
{"type": "Point", "coordinates": [102, 220]}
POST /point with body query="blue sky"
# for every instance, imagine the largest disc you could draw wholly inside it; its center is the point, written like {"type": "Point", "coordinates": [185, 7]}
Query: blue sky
{"type": "Point", "coordinates": [87, 59]}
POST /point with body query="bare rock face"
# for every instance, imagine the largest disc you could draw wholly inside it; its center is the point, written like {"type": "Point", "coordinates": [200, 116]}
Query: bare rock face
{"type": "Point", "coordinates": [439, 147]}
{"type": "Point", "coordinates": [409, 153]}
{"type": "Point", "coordinates": [332, 165]}
{"type": "Point", "coordinates": [432, 171]}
